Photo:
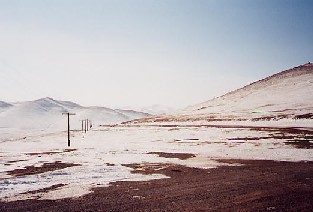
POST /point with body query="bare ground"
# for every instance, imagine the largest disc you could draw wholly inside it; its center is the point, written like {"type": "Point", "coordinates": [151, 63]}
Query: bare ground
{"type": "Point", "coordinates": [31, 170]}
{"type": "Point", "coordinates": [50, 153]}
{"type": "Point", "coordinates": [181, 156]}
{"type": "Point", "coordinates": [255, 186]}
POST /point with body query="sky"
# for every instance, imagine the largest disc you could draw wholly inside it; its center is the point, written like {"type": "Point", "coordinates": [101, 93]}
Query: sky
{"type": "Point", "coordinates": [133, 53]}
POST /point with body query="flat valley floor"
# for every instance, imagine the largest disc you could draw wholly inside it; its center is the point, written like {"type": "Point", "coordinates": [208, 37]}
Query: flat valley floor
{"type": "Point", "coordinates": [160, 169]}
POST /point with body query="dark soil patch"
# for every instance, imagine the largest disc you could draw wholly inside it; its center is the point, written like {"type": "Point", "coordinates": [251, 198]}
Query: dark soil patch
{"type": "Point", "coordinates": [304, 116]}
{"type": "Point", "coordinates": [31, 170]}
{"type": "Point", "coordinates": [147, 168]}
{"type": "Point", "coordinates": [50, 153]}
{"type": "Point", "coordinates": [214, 142]}
{"type": "Point", "coordinates": [299, 138]}
{"type": "Point", "coordinates": [182, 156]}
{"type": "Point", "coordinates": [300, 144]}
{"type": "Point", "coordinates": [15, 161]}
{"type": "Point", "coordinates": [259, 138]}
{"type": "Point", "coordinates": [255, 186]}
{"type": "Point", "coordinates": [269, 118]}
{"type": "Point", "coordinates": [51, 188]}
{"type": "Point", "coordinates": [191, 139]}
{"type": "Point", "coordinates": [9, 163]}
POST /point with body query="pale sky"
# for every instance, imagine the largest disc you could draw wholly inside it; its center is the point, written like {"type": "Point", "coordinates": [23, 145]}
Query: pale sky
{"type": "Point", "coordinates": [136, 53]}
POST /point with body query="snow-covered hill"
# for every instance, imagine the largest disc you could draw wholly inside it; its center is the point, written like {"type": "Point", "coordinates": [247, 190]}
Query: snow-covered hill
{"type": "Point", "coordinates": [286, 95]}
{"type": "Point", "coordinates": [46, 113]}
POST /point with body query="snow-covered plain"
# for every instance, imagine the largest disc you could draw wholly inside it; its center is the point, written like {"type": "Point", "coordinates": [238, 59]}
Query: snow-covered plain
{"type": "Point", "coordinates": [102, 152]}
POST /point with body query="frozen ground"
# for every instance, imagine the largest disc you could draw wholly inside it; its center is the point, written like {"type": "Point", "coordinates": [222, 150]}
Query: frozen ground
{"type": "Point", "coordinates": [102, 153]}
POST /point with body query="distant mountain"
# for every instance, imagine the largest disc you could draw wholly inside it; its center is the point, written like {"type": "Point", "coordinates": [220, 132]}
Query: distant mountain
{"type": "Point", "coordinates": [158, 109]}
{"type": "Point", "coordinates": [4, 104]}
{"type": "Point", "coordinates": [133, 114]}
{"type": "Point", "coordinates": [288, 94]}
{"type": "Point", "coordinates": [155, 109]}
{"type": "Point", "coordinates": [46, 113]}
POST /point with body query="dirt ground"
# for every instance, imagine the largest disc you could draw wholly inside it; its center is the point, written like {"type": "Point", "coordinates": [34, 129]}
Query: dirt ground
{"type": "Point", "coordinates": [30, 170]}
{"type": "Point", "coordinates": [254, 186]}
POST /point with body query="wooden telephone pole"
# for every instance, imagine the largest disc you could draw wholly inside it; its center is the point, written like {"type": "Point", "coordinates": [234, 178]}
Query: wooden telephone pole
{"type": "Point", "coordinates": [68, 127]}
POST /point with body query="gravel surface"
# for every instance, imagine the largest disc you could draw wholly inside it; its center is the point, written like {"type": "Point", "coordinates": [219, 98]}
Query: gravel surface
{"type": "Point", "coordinates": [257, 185]}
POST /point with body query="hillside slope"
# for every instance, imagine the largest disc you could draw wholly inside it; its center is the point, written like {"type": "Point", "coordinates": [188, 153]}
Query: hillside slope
{"type": "Point", "coordinates": [288, 94]}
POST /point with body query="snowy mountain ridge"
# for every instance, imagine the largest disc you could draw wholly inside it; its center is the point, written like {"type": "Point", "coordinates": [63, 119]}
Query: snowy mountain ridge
{"type": "Point", "coordinates": [46, 113]}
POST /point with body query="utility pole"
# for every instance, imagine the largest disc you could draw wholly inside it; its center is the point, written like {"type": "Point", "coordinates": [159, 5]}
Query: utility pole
{"type": "Point", "coordinates": [82, 125]}
{"type": "Point", "coordinates": [68, 127]}
{"type": "Point", "coordinates": [86, 125]}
